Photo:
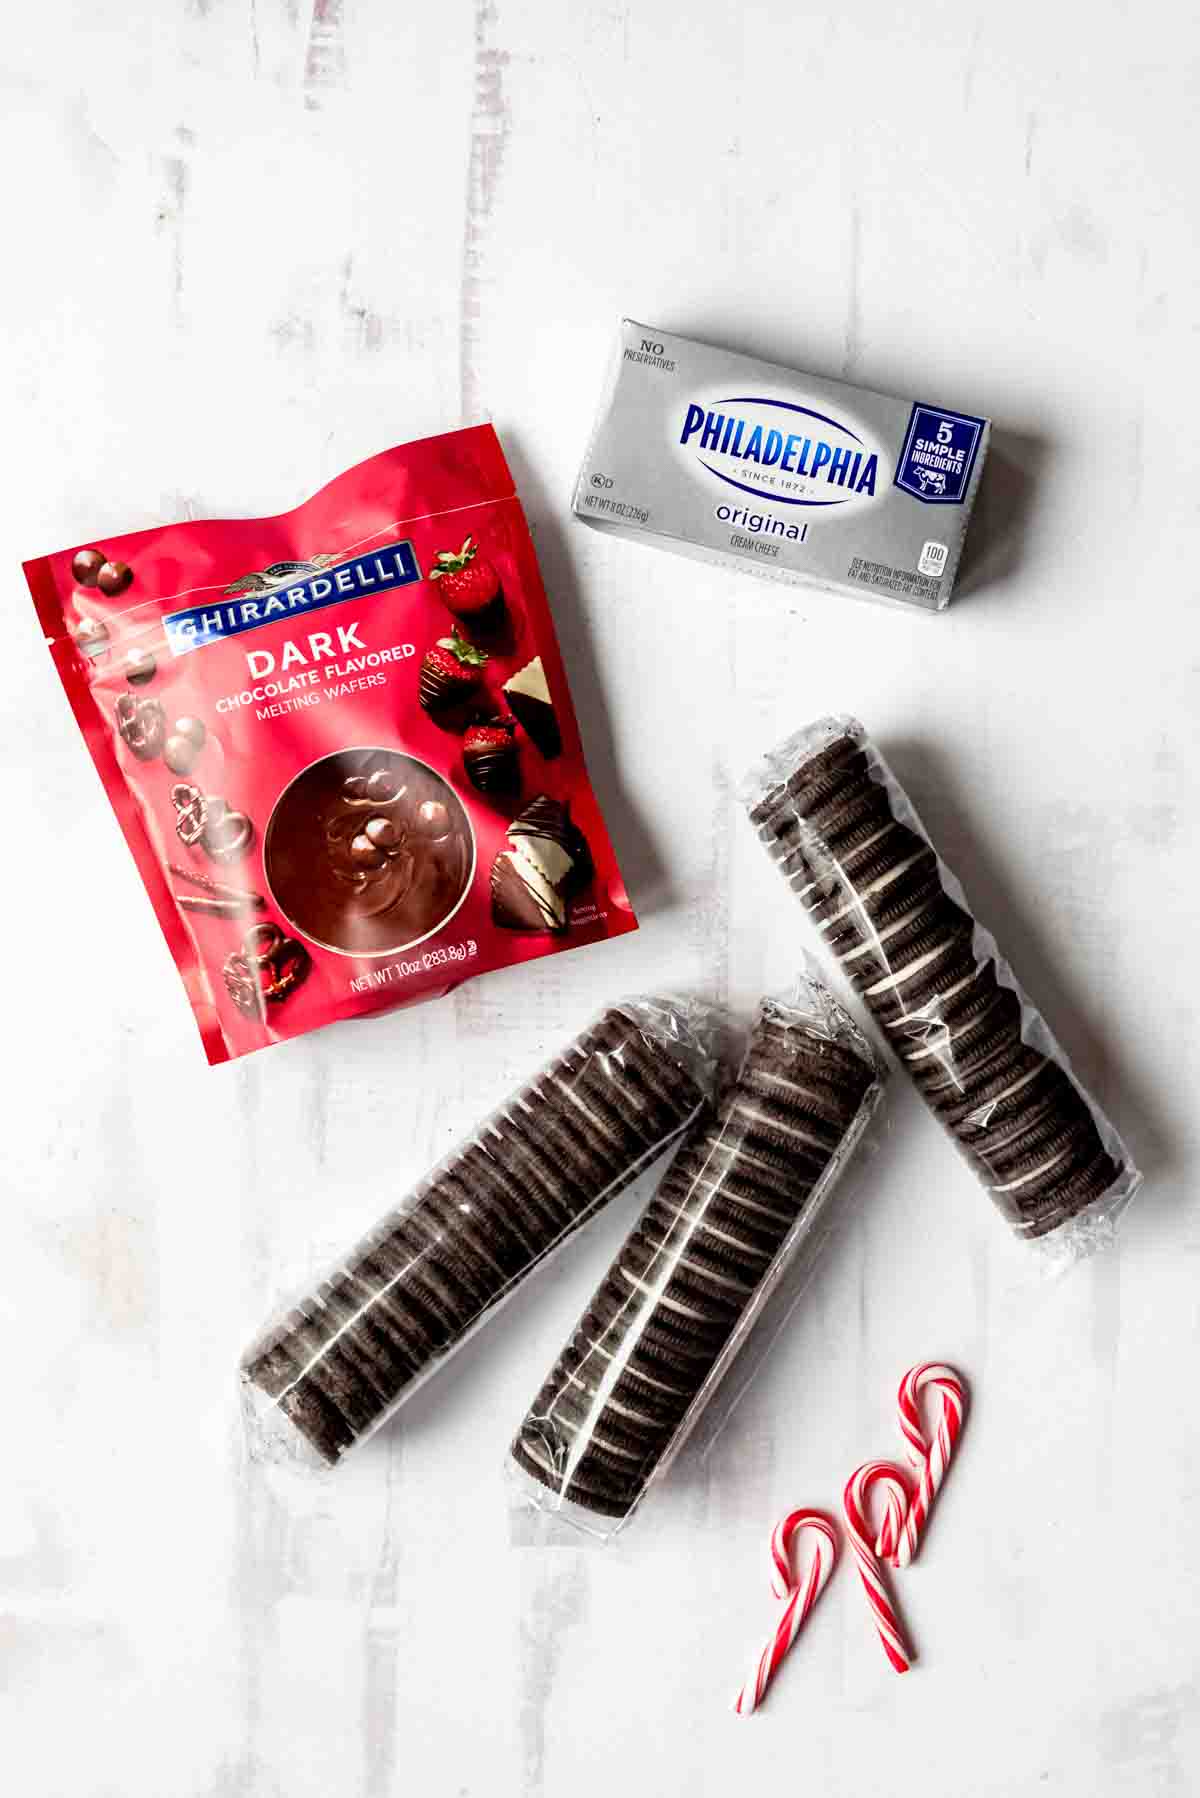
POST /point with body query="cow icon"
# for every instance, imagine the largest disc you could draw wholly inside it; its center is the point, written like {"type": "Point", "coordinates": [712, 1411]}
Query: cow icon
{"type": "Point", "coordinates": [930, 480]}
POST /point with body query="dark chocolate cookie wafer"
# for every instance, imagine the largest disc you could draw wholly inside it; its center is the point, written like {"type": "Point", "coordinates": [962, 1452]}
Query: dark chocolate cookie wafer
{"type": "Point", "coordinates": [330, 1374]}
{"type": "Point", "coordinates": [281, 1376]}
{"type": "Point", "coordinates": [934, 1051]}
{"type": "Point", "coordinates": [591, 1487]}
{"type": "Point", "coordinates": [337, 1308]}
{"type": "Point", "coordinates": [712, 1266]}
{"type": "Point", "coordinates": [1070, 1196]}
{"type": "Point", "coordinates": [373, 1332]}
{"type": "Point", "coordinates": [655, 1400]}
{"type": "Point", "coordinates": [1067, 1145]}
{"type": "Point", "coordinates": [698, 1302]}
{"type": "Point", "coordinates": [850, 845]}
{"type": "Point", "coordinates": [586, 1125]}
{"type": "Point", "coordinates": [753, 1249]}
{"type": "Point", "coordinates": [689, 1277]}
{"type": "Point", "coordinates": [362, 1361]}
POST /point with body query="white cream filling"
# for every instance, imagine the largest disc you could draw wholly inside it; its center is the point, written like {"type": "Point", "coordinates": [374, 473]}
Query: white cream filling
{"type": "Point", "coordinates": [859, 849]}
{"type": "Point", "coordinates": [874, 886]}
{"type": "Point", "coordinates": [910, 973]}
{"type": "Point", "coordinates": [660, 1298]}
{"type": "Point", "coordinates": [904, 1023]}
{"type": "Point", "coordinates": [774, 1124]}
{"type": "Point", "coordinates": [999, 1097]}
{"type": "Point", "coordinates": [1046, 1168]}
{"type": "Point", "coordinates": [881, 936]}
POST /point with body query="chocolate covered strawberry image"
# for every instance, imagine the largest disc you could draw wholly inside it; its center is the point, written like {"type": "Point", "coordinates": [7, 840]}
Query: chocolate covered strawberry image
{"type": "Point", "coordinates": [490, 757]}
{"type": "Point", "coordinates": [468, 585]}
{"type": "Point", "coordinates": [450, 684]}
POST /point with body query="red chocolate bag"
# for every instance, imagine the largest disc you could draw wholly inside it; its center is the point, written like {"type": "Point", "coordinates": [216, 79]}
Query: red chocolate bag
{"type": "Point", "coordinates": [339, 742]}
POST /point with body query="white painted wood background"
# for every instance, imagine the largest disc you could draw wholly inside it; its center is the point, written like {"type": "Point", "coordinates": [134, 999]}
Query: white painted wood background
{"type": "Point", "coordinates": [249, 242]}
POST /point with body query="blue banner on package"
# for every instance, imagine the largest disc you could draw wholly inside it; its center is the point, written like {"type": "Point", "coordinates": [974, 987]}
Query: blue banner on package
{"type": "Point", "coordinates": [290, 589]}
{"type": "Point", "coordinates": [938, 455]}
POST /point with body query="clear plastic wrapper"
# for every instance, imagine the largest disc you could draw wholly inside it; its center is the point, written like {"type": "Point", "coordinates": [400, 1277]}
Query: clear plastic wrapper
{"type": "Point", "coordinates": [848, 841]}
{"type": "Point", "coordinates": [333, 1367]}
{"type": "Point", "coordinates": [743, 1191]}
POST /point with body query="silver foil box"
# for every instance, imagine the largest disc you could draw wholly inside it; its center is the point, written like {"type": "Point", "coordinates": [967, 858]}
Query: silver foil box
{"type": "Point", "coordinates": [797, 477]}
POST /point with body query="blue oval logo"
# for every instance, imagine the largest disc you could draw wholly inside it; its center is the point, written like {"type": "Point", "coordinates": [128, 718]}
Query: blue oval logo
{"type": "Point", "coordinates": [774, 449]}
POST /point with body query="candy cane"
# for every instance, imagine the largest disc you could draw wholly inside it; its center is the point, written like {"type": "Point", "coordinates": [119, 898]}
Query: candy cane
{"type": "Point", "coordinates": [800, 1593]}
{"type": "Point", "coordinates": [855, 1501]}
{"type": "Point", "coordinates": [929, 1459]}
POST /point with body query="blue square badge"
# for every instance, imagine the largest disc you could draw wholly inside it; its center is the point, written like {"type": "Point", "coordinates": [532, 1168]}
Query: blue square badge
{"type": "Point", "coordinates": [938, 455]}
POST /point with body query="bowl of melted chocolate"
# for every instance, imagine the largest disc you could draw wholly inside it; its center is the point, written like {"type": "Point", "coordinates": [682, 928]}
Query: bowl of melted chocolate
{"type": "Point", "coordinates": [368, 851]}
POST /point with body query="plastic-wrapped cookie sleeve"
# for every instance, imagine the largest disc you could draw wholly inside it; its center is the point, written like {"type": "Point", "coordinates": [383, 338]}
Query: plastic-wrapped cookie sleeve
{"type": "Point", "coordinates": [848, 841]}
{"type": "Point", "coordinates": [337, 1363]}
{"type": "Point", "coordinates": [711, 1247]}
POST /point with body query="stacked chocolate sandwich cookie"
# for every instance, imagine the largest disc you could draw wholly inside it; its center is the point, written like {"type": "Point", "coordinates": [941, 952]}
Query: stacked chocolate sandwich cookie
{"type": "Point", "coordinates": [706, 1250]}
{"type": "Point", "coordinates": [850, 845]}
{"type": "Point", "coordinates": [344, 1357]}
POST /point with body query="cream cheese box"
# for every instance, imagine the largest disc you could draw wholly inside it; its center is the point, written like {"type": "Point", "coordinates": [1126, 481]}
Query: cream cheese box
{"type": "Point", "coordinates": [805, 479]}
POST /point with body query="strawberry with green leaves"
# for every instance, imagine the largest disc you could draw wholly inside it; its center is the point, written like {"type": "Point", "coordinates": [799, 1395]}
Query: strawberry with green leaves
{"type": "Point", "coordinates": [467, 584]}
{"type": "Point", "coordinates": [450, 684]}
{"type": "Point", "coordinates": [490, 756]}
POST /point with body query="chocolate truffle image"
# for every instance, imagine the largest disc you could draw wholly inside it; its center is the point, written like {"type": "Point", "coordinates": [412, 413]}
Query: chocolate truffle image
{"type": "Point", "coordinates": [529, 701]}
{"type": "Point", "coordinates": [546, 864]}
{"type": "Point", "coordinates": [87, 565]}
{"type": "Point", "coordinates": [192, 729]}
{"type": "Point", "coordinates": [184, 743]}
{"type": "Point", "coordinates": [368, 851]}
{"type": "Point", "coordinates": [112, 578]}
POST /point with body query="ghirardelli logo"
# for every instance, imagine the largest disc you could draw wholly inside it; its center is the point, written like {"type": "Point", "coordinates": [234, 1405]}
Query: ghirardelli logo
{"type": "Point", "coordinates": [278, 575]}
{"type": "Point", "coordinates": [286, 588]}
{"type": "Point", "coordinates": [780, 450]}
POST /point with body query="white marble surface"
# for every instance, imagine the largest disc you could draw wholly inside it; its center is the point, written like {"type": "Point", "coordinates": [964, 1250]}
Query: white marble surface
{"type": "Point", "coordinates": [249, 242]}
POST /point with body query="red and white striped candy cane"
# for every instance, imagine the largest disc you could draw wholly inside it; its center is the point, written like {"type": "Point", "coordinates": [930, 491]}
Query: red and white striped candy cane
{"type": "Point", "coordinates": [801, 1594]}
{"type": "Point", "coordinates": [855, 1503]}
{"type": "Point", "coordinates": [929, 1458]}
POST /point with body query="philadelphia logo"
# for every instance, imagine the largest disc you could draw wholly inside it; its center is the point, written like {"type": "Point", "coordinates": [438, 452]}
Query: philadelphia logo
{"type": "Point", "coordinates": [803, 449]}
{"type": "Point", "coordinates": [289, 587]}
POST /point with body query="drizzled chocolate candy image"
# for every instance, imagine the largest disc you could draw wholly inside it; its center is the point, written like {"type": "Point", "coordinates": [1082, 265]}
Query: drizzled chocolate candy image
{"type": "Point", "coordinates": [205, 821]}
{"type": "Point", "coordinates": [547, 863]}
{"type": "Point", "coordinates": [265, 970]}
{"type": "Point", "coordinates": [529, 701]}
{"type": "Point", "coordinates": [368, 851]}
{"type": "Point", "coordinates": [142, 725]}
